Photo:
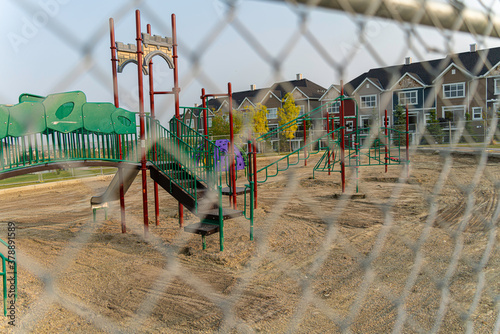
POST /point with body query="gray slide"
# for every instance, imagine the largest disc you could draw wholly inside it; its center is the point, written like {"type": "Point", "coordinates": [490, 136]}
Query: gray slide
{"type": "Point", "coordinates": [112, 193]}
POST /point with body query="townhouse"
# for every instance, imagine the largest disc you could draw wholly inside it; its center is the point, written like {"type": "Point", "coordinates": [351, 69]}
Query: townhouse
{"type": "Point", "coordinates": [457, 87]}
{"type": "Point", "coordinates": [306, 94]}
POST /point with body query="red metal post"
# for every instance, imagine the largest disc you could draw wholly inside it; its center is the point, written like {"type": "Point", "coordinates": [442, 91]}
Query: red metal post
{"type": "Point", "coordinates": [153, 130]}
{"type": "Point", "coordinates": [333, 138]}
{"type": "Point", "coordinates": [386, 139]}
{"type": "Point", "coordinates": [176, 96]}
{"type": "Point", "coordinates": [305, 139]}
{"type": "Point", "coordinates": [142, 123]}
{"type": "Point", "coordinates": [114, 62]}
{"type": "Point", "coordinates": [342, 137]}
{"type": "Point", "coordinates": [231, 143]}
{"type": "Point", "coordinates": [407, 143]}
{"type": "Point", "coordinates": [205, 122]}
{"type": "Point", "coordinates": [205, 116]}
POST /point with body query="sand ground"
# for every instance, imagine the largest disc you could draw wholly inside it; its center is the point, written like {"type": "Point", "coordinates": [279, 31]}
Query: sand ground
{"type": "Point", "coordinates": [421, 254]}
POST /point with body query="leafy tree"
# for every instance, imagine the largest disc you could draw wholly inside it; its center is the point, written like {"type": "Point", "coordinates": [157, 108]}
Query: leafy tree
{"type": "Point", "coordinates": [287, 113]}
{"type": "Point", "coordinates": [220, 124]}
{"type": "Point", "coordinates": [258, 117]}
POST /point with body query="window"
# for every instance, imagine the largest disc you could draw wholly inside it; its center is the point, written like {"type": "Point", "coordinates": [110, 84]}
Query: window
{"type": "Point", "coordinates": [334, 108]}
{"type": "Point", "coordinates": [209, 122]}
{"type": "Point", "coordinates": [301, 112]}
{"type": "Point", "coordinates": [349, 125]}
{"type": "Point", "coordinates": [497, 86]}
{"type": "Point", "coordinates": [272, 113]}
{"type": "Point", "coordinates": [454, 90]}
{"type": "Point", "coordinates": [477, 113]}
{"type": "Point", "coordinates": [272, 127]}
{"type": "Point", "coordinates": [365, 121]}
{"type": "Point", "coordinates": [409, 97]}
{"type": "Point", "coordinates": [454, 113]}
{"type": "Point", "coordinates": [369, 101]}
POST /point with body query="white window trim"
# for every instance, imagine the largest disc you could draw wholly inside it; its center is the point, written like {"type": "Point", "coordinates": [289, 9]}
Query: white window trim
{"type": "Point", "coordinates": [452, 84]}
{"type": "Point", "coordinates": [362, 118]}
{"type": "Point", "coordinates": [333, 108]}
{"type": "Point", "coordinates": [480, 113]}
{"type": "Point", "coordinates": [272, 127]}
{"type": "Point", "coordinates": [269, 113]}
{"type": "Point", "coordinates": [497, 86]}
{"type": "Point", "coordinates": [451, 108]}
{"type": "Point", "coordinates": [406, 99]}
{"type": "Point", "coordinates": [302, 109]}
{"type": "Point", "coordinates": [363, 105]}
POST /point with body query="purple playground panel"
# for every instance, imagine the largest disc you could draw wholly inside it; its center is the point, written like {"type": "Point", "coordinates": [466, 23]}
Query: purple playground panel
{"type": "Point", "coordinates": [223, 151]}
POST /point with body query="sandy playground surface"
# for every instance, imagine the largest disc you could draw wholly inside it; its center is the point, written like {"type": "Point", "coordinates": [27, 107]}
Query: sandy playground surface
{"type": "Point", "coordinates": [319, 264]}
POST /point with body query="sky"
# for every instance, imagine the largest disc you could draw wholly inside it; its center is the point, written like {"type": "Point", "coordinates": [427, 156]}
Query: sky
{"type": "Point", "coordinates": [51, 46]}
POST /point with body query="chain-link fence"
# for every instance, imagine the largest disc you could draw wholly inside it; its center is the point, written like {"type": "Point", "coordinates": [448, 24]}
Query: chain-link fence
{"type": "Point", "coordinates": [413, 253]}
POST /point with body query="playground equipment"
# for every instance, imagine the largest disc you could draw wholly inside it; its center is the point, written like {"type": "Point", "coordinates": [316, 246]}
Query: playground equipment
{"type": "Point", "coordinates": [340, 148]}
{"type": "Point", "coordinates": [8, 262]}
{"type": "Point", "coordinates": [64, 130]}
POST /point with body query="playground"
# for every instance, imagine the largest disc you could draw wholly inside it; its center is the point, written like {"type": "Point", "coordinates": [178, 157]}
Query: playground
{"type": "Point", "coordinates": [356, 230]}
{"type": "Point", "coordinates": [113, 274]}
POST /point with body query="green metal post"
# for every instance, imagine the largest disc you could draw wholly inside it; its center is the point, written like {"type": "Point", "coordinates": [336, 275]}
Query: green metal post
{"type": "Point", "coordinates": [251, 209]}
{"type": "Point", "coordinates": [221, 221]}
{"type": "Point", "coordinates": [4, 280]}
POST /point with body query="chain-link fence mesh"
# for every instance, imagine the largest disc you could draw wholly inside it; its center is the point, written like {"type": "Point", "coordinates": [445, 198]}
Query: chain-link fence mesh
{"type": "Point", "coordinates": [413, 253]}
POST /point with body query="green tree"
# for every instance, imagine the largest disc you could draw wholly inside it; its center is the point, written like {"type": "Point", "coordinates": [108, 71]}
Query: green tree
{"type": "Point", "coordinates": [220, 124]}
{"type": "Point", "coordinates": [434, 128]}
{"type": "Point", "coordinates": [399, 116]}
{"type": "Point", "coordinates": [287, 113]}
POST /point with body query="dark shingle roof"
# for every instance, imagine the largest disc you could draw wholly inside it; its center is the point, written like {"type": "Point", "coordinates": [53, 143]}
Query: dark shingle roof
{"type": "Point", "coordinates": [309, 88]}
{"type": "Point", "coordinates": [477, 63]}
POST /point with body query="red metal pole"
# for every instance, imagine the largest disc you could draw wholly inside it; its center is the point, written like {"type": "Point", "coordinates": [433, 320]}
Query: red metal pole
{"type": "Point", "coordinates": [176, 95]}
{"type": "Point", "coordinates": [407, 142]}
{"type": "Point", "coordinates": [342, 137]}
{"type": "Point", "coordinates": [153, 130]}
{"type": "Point", "coordinates": [231, 139]}
{"type": "Point", "coordinates": [142, 123]}
{"type": "Point", "coordinates": [114, 61]}
{"type": "Point", "coordinates": [205, 116]}
{"type": "Point", "coordinates": [205, 122]}
{"type": "Point", "coordinates": [333, 138]}
{"type": "Point", "coordinates": [386, 139]}
{"type": "Point", "coordinates": [305, 138]}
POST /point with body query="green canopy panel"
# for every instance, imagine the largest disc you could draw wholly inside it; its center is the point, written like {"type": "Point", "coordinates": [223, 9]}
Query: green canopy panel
{"type": "Point", "coordinates": [64, 111]}
{"type": "Point", "coordinates": [4, 121]}
{"type": "Point", "coordinates": [124, 122]}
{"type": "Point", "coordinates": [26, 97]}
{"type": "Point", "coordinates": [97, 117]}
{"type": "Point", "coordinates": [26, 118]}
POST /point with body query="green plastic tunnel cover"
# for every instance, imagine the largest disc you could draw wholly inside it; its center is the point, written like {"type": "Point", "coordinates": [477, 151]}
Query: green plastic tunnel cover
{"type": "Point", "coordinates": [26, 118]}
{"type": "Point", "coordinates": [97, 117]}
{"type": "Point", "coordinates": [64, 111]}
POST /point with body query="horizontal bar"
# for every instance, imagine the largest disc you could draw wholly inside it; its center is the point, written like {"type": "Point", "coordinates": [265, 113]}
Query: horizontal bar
{"type": "Point", "coordinates": [428, 13]}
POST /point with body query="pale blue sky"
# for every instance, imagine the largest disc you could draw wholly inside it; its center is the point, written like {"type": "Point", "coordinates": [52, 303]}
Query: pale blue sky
{"type": "Point", "coordinates": [43, 43]}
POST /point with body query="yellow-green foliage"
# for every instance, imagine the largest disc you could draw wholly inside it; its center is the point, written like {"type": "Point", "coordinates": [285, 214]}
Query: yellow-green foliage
{"type": "Point", "coordinates": [259, 119]}
{"type": "Point", "coordinates": [287, 113]}
{"type": "Point", "coordinates": [220, 124]}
